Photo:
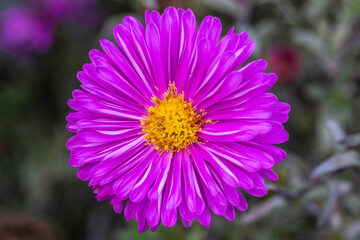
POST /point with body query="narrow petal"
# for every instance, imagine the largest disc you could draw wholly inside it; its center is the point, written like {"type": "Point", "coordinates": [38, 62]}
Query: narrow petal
{"type": "Point", "coordinates": [194, 197]}
{"type": "Point", "coordinates": [174, 198]}
{"type": "Point", "coordinates": [143, 185]}
{"type": "Point", "coordinates": [205, 218]}
{"type": "Point", "coordinates": [236, 159]}
{"type": "Point", "coordinates": [156, 190]}
{"type": "Point", "coordinates": [153, 212]}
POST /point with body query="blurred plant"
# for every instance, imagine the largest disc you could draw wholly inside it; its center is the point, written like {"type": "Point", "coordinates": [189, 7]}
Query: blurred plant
{"type": "Point", "coordinates": [176, 3]}
{"type": "Point", "coordinates": [26, 227]}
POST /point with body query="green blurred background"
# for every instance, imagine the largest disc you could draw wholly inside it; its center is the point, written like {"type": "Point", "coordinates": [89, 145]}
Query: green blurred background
{"type": "Point", "coordinates": [313, 46]}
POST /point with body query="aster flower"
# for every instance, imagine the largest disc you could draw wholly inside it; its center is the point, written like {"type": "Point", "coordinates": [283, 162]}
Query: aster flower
{"type": "Point", "coordinates": [169, 126]}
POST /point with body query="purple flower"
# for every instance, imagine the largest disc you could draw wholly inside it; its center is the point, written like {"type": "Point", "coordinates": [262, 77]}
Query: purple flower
{"type": "Point", "coordinates": [286, 61]}
{"type": "Point", "coordinates": [22, 31]}
{"type": "Point", "coordinates": [168, 124]}
{"type": "Point", "coordinates": [28, 29]}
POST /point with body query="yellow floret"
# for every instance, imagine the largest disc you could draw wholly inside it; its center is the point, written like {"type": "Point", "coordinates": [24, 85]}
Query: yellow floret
{"type": "Point", "coordinates": [172, 123]}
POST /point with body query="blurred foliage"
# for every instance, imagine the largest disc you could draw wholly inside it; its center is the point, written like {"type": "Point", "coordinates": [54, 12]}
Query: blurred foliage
{"type": "Point", "coordinates": [318, 194]}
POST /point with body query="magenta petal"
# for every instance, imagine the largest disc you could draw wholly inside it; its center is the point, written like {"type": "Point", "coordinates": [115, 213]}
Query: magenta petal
{"type": "Point", "coordinates": [143, 226]}
{"type": "Point", "coordinates": [122, 64]}
{"type": "Point", "coordinates": [169, 32]}
{"type": "Point", "coordinates": [220, 167]}
{"type": "Point", "coordinates": [169, 218]}
{"type": "Point", "coordinates": [142, 187]}
{"type": "Point", "coordinates": [214, 134]}
{"type": "Point", "coordinates": [257, 192]}
{"type": "Point", "coordinates": [124, 184]}
{"type": "Point", "coordinates": [105, 124]}
{"type": "Point", "coordinates": [118, 207]}
{"type": "Point", "coordinates": [258, 84]}
{"type": "Point", "coordinates": [86, 79]}
{"type": "Point", "coordinates": [203, 171]}
{"type": "Point", "coordinates": [187, 43]}
{"type": "Point", "coordinates": [226, 87]}
{"type": "Point", "coordinates": [90, 135]}
{"type": "Point", "coordinates": [185, 213]}
{"type": "Point", "coordinates": [243, 204]}
{"type": "Point", "coordinates": [269, 174]}
{"type": "Point", "coordinates": [210, 28]}
{"type": "Point", "coordinates": [156, 190]}
{"type": "Point", "coordinates": [130, 210]}
{"type": "Point", "coordinates": [152, 35]}
{"type": "Point", "coordinates": [193, 196]}
{"type": "Point", "coordinates": [229, 213]}
{"type": "Point", "coordinates": [277, 153]}
{"type": "Point", "coordinates": [214, 205]}
{"type": "Point", "coordinates": [238, 160]}
{"type": "Point", "coordinates": [132, 45]}
{"type": "Point", "coordinates": [141, 210]}
{"type": "Point", "coordinates": [122, 86]}
{"type": "Point", "coordinates": [185, 223]}
{"type": "Point", "coordinates": [281, 112]}
{"type": "Point", "coordinates": [230, 192]}
{"type": "Point", "coordinates": [205, 218]}
{"type": "Point", "coordinates": [275, 136]}
{"type": "Point", "coordinates": [253, 68]}
{"type": "Point", "coordinates": [153, 228]}
{"type": "Point", "coordinates": [174, 198]}
{"type": "Point", "coordinates": [153, 212]}
{"type": "Point", "coordinates": [106, 191]}
{"type": "Point", "coordinates": [218, 70]}
{"type": "Point", "coordinates": [202, 50]}
{"type": "Point", "coordinates": [243, 176]}
{"type": "Point", "coordinates": [246, 114]}
{"type": "Point", "coordinates": [264, 159]}
{"type": "Point", "coordinates": [104, 167]}
{"type": "Point", "coordinates": [84, 171]}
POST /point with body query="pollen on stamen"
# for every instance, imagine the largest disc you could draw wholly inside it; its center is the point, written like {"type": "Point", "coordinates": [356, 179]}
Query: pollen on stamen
{"type": "Point", "coordinates": [172, 123]}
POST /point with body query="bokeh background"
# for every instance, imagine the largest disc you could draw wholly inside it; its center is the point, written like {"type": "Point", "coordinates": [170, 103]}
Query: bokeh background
{"type": "Point", "coordinates": [313, 46]}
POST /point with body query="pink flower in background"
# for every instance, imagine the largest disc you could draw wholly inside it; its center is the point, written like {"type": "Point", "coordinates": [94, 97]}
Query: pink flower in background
{"type": "Point", "coordinates": [171, 123]}
{"type": "Point", "coordinates": [285, 60]}
{"type": "Point", "coordinates": [23, 32]}
{"type": "Point", "coordinates": [31, 28]}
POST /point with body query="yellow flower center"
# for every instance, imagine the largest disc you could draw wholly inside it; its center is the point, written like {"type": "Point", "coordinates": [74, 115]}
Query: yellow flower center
{"type": "Point", "coordinates": [172, 123]}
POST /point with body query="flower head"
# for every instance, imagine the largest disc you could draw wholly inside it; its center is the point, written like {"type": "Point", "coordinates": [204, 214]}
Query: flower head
{"type": "Point", "coordinates": [172, 124]}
